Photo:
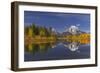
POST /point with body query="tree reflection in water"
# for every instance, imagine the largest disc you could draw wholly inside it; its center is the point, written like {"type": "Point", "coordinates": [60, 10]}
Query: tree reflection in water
{"type": "Point", "coordinates": [43, 47]}
{"type": "Point", "coordinates": [39, 47]}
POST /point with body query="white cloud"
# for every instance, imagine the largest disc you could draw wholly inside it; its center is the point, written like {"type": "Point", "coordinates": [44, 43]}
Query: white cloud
{"type": "Point", "coordinates": [78, 25]}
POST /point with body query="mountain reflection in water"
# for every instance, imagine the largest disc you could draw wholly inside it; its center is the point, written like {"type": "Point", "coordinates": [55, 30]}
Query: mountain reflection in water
{"type": "Point", "coordinates": [56, 51]}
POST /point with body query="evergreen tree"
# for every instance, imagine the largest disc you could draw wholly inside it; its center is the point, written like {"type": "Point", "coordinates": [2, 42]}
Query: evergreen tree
{"type": "Point", "coordinates": [33, 29]}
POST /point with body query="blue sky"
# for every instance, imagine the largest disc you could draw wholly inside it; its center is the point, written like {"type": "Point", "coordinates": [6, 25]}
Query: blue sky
{"type": "Point", "coordinates": [59, 21]}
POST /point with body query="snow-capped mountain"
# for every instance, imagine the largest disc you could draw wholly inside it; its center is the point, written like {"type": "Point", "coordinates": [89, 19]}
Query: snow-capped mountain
{"type": "Point", "coordinates": [73, 30]}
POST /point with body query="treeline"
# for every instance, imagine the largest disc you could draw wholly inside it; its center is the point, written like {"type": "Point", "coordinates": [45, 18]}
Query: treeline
{"type": "Point", "coordinates": [34, 30]}
{"type": "Point", "coordinates": [83, 38]}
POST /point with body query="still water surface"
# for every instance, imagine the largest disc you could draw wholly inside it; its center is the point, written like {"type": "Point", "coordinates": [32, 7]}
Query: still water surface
{"type": "Point", "coordinates": [56, 51]}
